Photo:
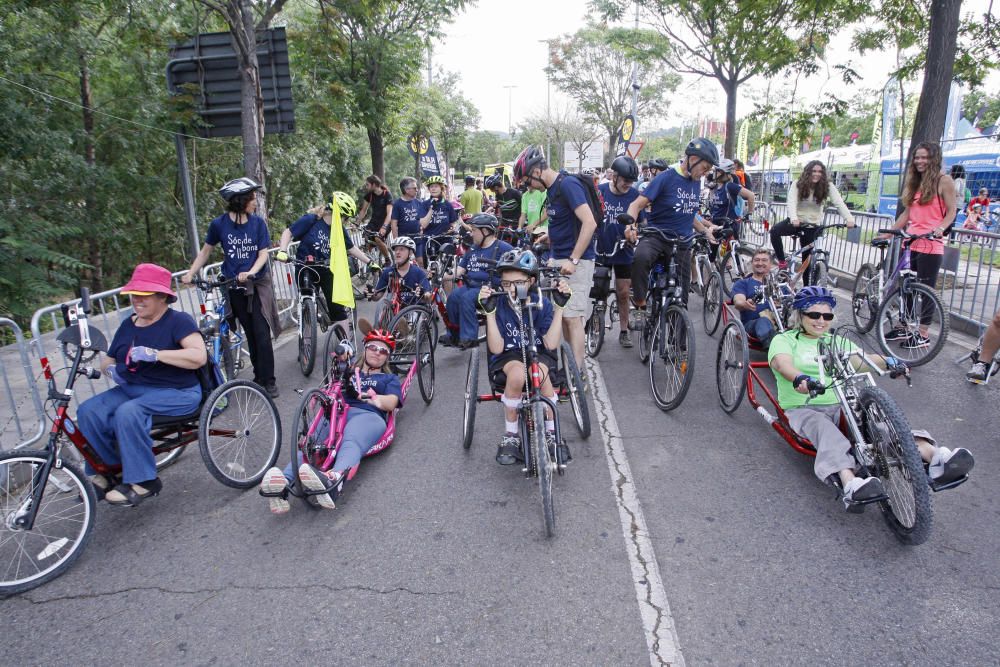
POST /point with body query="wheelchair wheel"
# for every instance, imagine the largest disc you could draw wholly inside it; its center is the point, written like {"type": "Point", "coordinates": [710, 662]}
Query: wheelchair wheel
{"type": "Point", "coordinates": [425, 359]}
{"type": "Point", "coordinates": [240, 443]}
{"type": "Point", "coordinates": [671, 359]}
{"type": "Point", "coordinates": [574, 389]}
{"type": "Point", "coordinates": [864, 300]}
{"type": "Point", "coordinates": [732, 365]}
{"type": "Point", "coordinates": [336, 334]}
{"type": "Point", "coordinates": [908, 511]}
{"type": "Point", "coordinates": [309, 433]}
{"type": "Point", "coordinates": [595, 331]}
{"type": "Point", "coordinates": [711, 307]}
{"type": "Point", "coordinates": [471, 394]}
{"type": "Point", "coordinates": [64, 520]}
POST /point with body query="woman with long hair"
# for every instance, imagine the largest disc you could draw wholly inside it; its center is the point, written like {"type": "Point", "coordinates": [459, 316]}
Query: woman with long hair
{"type": "Point", "coordinates": [929, 196]}
{"type": "Point", "coordinates": [807, 198]}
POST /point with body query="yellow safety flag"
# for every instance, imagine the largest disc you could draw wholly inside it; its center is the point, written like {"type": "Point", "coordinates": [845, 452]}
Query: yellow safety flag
{"type": "Point", "coordinates": [343, 292]}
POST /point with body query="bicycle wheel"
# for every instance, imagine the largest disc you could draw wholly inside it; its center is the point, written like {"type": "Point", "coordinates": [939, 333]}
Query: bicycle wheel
{"type": "Point", "coordinates": [864, 299]}
{"type": "Point", "coordinates": [820, 274]}
{"type": "Point", "coordinates": [425, 359]}
{"type": "Point", "coordinates": [595, 331]}
{"type": "Point", "coordinates": [307, 338]}
{"type": "Point", "coordinates": [310, 429]}
{"type": "Point", "coordinates": [671, 364]}
{"type": "Point", "coordinates": [901, 312]}
{"type": "Point", "coordinates": [63, 524]}
{"type": "Point", "coordinates": [335, 335]}
{"type": "Point", "coordinates": [712, 305]}
{"type": "Point", "coordinates": [471, 394]}
{"type": "Point", "coordinates": [167, 459]}
{"type": "Point", "coordinates": [546, 464]}
{"type": "Point", "coordinates": [646, 334]}
{"type": "Point", "coordinates": [729, 269]}
{"type": "Point", "coordinates": [908, 511]}
{"type": "Point", "coordinates": [405, 325]}
{"type": "Point", "coordinates": [574, 387]}
{"type": "Point", "coordinates": [732, 366]}
{"type": "Point", "coordinates": [228, 354]}
{"type": "Point", "coordinates": [240, 443]}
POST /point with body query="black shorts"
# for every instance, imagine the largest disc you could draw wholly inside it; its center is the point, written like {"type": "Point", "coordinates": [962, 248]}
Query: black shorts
{"type": "Point", "coordinates": [621, 271]}
{"type": "Point", "coordinates": [499, 379]}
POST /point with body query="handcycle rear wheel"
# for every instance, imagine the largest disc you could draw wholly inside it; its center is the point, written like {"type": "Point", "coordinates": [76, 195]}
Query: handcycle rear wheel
{"type": "Point", "coordinates": [595, 331]}
{"type": "Point", "coordinates": [63, 524]}
{"type": "Point", "coordinates": [239, 443]}
{"type": "Point", "coordinates": [406, 334]}
{"type": "Point", "coordinates": [896, 312]}
{"type": "Point", "coordinates": [471, 396]}
{"type": "Point", "coordinates": [307, 338]}
{"type": "Point", "coordinates": [574, 387]}
{"type": "Point", "coordinates": [732, 366]}
{"type": "Point", "coordinates": [908, 511]}
{"type": "Point", "coordinates": [545, 465]}
{"type": "Point", "coordinates": [671, 361]}
{"type": "Point", "coordinates": [314, 406]}
{"type": "Point", "coordinates": [864, 300]}
{"type": "Point", "coordinates": [425, 359]}
{"type": "Point", "coordinates": [711, 307]}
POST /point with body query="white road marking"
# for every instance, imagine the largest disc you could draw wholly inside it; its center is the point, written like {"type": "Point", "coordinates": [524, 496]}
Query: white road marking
{"type": "Point", "coordinates": [657, 621]}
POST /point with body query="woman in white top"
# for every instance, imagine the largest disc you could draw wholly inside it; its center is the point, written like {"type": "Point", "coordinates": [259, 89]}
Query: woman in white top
{"type": "Point", "coordinates": [807, 199]}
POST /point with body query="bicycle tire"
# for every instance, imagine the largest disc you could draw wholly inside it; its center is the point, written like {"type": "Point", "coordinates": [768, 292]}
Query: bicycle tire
{"type": "Point", "coordinates": [226, 437]}
{"type": "Point", "coordinates": [471, 396]}
{"type": "Point", "coordinates": [646, 334]}
{"type": "Point", "coordinates": [167, 459]}
{"type": "Point", "coordinates": [574, 387]}
{"type": "Point", "coordinates": [228, 357]}
{"type": "Point", "coordinates": [674, 344]}
{"type": "Point", "coordinates": [732, 366]}
{"type": "Point", "coordinates": [893, 311]}
{"type": "Point", "coordinates": [65, 488]}
{"type": "Point", "coordinates": [864, 298]}
{"type": "Point", "coordinates": [729, 271]}
{"type": "Point", "coordinates": [307, 338]}
{"type": "Point", "coordinates": [712, 303]}
{"type": "Point", "coordinates": [545, 466]}
{"type": "Point", "coordinates": [424, 356]}
{"type": "Point", "coordinates": [819, 274]}
{"type": "Point", "coordinates": [336, 334]}
{"type": "Point", "coordinates": [595, 332]}
{"type": "Point", "coordinates": [313, 401]}
{"type": "Point", "coordinates": [406, 335]}
{"type": "Point", "coordinates": [908, 511]}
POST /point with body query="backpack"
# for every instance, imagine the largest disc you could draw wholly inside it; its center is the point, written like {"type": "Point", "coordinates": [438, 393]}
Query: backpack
{"type": "Point", "coordinates": [594, 199]}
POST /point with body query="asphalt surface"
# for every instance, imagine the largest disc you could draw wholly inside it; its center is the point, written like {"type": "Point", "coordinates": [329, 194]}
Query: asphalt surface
{"type": "Point", "coordinates": [438, 555]}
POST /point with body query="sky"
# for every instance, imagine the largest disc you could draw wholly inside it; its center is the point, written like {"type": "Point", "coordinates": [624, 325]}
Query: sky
{"type": "Point", "coordinates": [492, 46]}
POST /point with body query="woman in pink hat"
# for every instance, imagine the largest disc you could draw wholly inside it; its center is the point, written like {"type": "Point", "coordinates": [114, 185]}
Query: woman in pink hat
{"type": "Point", "coordinates": [152, 360]}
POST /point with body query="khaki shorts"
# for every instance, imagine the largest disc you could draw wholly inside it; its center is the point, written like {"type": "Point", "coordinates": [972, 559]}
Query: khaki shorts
{"type": "Point", "coordinates": [580, 282]}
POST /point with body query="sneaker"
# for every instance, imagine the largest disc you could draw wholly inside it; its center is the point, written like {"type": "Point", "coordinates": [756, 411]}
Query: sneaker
{"type": "Point", "coordinates": [916, 341]}
{"type": "Point", "coordinates": [782, 265]}
{"type": "Point", "coordinates": [978, 372]}
{"type": "Point", "coordinates": [509, 451]}
{"type": "Point", "coordinates": [637, 321]}
{"type": "Point", "coordinates": [271, 387]}
{"type": "Point", "coordinates": [561, 452]}
{"type": "Point", "coordinates": [315, 480]}
{"type": "Point", "coordinates": [274, 482]}
{"type": "Point", "coordinates": [625, 339]}
{"type": "Point", "coordinates": [859, 490]}
{"type": "Point", "coordinates": [898, 333]}
{"type": "Point", "coordinates": [948, 465]}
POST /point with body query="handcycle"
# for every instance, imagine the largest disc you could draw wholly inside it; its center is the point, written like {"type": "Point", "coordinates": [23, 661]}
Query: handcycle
{"type": "Point", "coordinates": [318, 427]}
{"type": "Point", "coordinates": [818, 262]}
{"type": "Point", "coordinates": [889, 295]}
{"type": "Point", "coordinates": [219, 327]}
{"type": "Point", "coordinates": [48, 506]}
{"type": "Point", "coordinates": [882, 442]}
{"type": "Point", "coordinates": [666, 341]}
{"type": "Point", "coordinates": [778, 296]}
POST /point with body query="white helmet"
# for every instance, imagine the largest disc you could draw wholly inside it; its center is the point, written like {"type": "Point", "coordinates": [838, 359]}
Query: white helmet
{"type": "Point", "coordinates": [405, 242]}
{"type": "Point", "coordinates": [726, 166]}
{"type": "Point", "coordinates": [238, 186]}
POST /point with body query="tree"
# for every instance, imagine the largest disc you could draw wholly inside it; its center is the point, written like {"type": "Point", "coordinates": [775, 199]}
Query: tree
{"type": "Point", "coordinates": [597, 74]}
{"type": "Point", "coordinates": [459, 117]}
{"type": "Point", "coordinates": [938, 72]}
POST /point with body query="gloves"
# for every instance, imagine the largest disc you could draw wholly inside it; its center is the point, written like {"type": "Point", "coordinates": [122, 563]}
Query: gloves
{"type": "Point", "coordinates": [374, 268]}
{"type": "Point", "coordinates": [562, 298]}
{"type": "Point", "coordinates": [343, 348]}
{"type": "Point", "coordinates": [488, 306]}
{"type": "Point", "coordinates": [281, 256]}
{"type": "Point", "coordinates": [112, 372]}
{"type": "Point", "coordinates": [143, 353]}
{"type": "Point", "coordinates": [625, 219]}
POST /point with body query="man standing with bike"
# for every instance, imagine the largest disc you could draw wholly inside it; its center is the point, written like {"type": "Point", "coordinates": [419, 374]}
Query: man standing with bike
{"type": "Point", "coordinates": [618, 195]}
{"type": "Point", "coordinates": [379, 199]}
{"type": "Point", "coordinates": [508, 201]}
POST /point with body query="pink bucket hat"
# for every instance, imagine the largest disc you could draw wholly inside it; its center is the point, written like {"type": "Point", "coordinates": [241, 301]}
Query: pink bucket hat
{"type": "Point", "coordinates": [149, 279]}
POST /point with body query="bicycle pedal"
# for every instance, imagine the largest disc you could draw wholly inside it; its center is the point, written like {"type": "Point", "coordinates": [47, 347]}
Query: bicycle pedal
{"type": "Point", "coordinates": [935, 487]}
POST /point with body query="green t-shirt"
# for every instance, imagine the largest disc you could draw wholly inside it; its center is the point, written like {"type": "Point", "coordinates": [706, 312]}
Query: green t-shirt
{"type": "Point", "coordinates": [532, 203]}
{"type": "Point", "coordinates": [804, 351]}
{"type": "Point", "coordinates": [472, 201]}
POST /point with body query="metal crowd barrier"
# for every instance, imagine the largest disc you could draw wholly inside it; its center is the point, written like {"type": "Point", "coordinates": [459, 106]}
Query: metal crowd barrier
{"type": "Point", "coordinates": [18, 426]}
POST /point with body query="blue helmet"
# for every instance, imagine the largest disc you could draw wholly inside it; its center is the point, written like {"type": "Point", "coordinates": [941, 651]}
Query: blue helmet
{"type": "Point", "coordinates": [811, 295]}
{"type": "Point", "coordinates": [519, 260]}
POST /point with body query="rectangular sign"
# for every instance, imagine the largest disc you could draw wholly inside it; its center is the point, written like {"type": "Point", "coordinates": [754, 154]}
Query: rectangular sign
{"type": "Point", "coordinates": [591, 157]}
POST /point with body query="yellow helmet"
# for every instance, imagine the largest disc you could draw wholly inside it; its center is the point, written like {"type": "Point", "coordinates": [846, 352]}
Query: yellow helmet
{"type": "Point", "coordinates": [345, 202]}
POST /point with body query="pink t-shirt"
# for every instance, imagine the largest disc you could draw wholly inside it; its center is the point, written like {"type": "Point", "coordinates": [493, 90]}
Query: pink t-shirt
{"type": "Point", "coordinates": [926, 218]}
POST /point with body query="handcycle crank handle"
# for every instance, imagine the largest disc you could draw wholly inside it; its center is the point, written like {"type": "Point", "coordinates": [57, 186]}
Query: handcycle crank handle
{"type": "Point", "coordinates": [815, 387]}
{"type": "Point", "coordinates": [90, 373]}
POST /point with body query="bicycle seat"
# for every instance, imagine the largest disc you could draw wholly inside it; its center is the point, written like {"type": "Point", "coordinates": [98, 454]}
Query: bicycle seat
{"type": "Point", "coordinates": [880, 243]}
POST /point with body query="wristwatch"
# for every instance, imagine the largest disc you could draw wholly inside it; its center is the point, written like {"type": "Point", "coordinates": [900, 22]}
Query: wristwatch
{"type": "Point", "coordinates": [574, 261]}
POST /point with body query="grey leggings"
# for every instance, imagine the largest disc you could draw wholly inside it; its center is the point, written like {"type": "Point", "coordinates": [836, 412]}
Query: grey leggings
{"type": "Point", "coordinates": [362, 431]}
{"type": "Point", "coordinates": [818, 423]}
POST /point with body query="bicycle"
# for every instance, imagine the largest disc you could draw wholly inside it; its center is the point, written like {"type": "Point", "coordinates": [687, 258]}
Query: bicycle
{"type": "Point", "coordinates": [47, 505]}
{"type": "Point", "coordinates": [706, 281]}
{"type": "Point", "coordinates": [889, 295]}
{"type": "Point", "coordinates": [667, 329]}
{"type": "Point", "coordinates": [364, 281]}
{"type": "Point", "coordinates": [311, 314]}
{"type": "Point", "coordinates": [219, 327]}
{"type": "Point", "coordinates": [818, 263]}
{"type": "Point", "coordinates": [729, 261]}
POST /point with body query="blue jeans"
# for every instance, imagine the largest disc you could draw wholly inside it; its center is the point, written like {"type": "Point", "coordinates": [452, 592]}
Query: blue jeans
{"type": "Point", "coordinates": [762, 329]}
{"type": "Point", "coordinates": [461, 308]}
{"type": "Point", "coordinates": [362, 431]}
{"type": "Point", "coordinates": [117, 424]}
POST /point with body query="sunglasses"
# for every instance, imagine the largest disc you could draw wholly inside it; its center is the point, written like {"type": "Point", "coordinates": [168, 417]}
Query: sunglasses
{"type": "Point", "coordinates": [812, 315]}
{"type": "Point", "coordinates": [372, 347]}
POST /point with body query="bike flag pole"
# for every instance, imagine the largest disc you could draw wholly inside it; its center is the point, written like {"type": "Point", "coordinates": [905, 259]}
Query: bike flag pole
{"type": "Point", "coordinates": [343, 292]}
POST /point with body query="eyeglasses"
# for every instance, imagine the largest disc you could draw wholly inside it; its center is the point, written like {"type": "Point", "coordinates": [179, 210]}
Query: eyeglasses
{"type": "Point", "coordinates": [507, 284]}
{"type": "Point", "coordinates": [813, 315]}
{"type": "Point", "coordinates": [372, 347]}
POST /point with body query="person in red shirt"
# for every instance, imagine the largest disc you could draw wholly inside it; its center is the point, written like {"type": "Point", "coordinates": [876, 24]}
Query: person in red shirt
{"type": "Point", "coordinates": [983, 199]}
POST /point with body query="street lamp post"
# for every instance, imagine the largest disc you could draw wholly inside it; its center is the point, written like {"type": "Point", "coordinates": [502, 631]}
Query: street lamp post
{"type": "Point", "coordinates": [510, 124]}
{"type": "Point", "coordinates": [548, 101]}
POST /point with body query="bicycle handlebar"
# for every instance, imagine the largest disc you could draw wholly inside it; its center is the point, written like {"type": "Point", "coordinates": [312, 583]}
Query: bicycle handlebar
{"type": "Point", "coordinates": [668, 236]}
{"type": "Point", "coordinates": [909, 237]}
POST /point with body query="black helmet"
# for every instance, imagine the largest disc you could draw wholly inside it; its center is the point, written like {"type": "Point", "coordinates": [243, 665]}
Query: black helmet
{"type": "Point", "coordinates": [483, 221]}
{"type": "Point", "coordinates": [519, 260]}
{"type": "Point", "coordinates": [658, 163]}
{"type": "Point", "coordinates": [529, 158]}
{"type": "Point", "coordinates": [470, 180]}
{"type": "Point", "coordinates": [704, 149]}
{"type": "Point", "coordinates": [493, 181]}
{"type": "Point", "coordinates": [238, 186]}
{"type": "Point", "coordinates": [626, 167]}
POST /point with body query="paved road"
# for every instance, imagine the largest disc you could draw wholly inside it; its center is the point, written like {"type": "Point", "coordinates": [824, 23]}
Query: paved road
{"type": "Point", "coordinates": [437, 555]}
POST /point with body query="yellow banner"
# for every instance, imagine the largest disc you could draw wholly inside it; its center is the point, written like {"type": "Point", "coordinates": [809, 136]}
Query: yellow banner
{"type": "Point", "coordinates": [741, 141]}
{"type": "Point", "coordinates": [343, 292]}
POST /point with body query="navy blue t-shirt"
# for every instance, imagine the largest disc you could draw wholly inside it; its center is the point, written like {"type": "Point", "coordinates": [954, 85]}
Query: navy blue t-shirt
{"type": "Point", "coordinates": [478, 262]}
{"type": "Point", "coordinates": [382, 383]}
{"type": "Point", "coordinates": [565, 195]}
{"type": "Point", "coordinates": [722, 201]}
{"type": "Point", "coordinates": [674, 201]}
{"type": "Point", "coordinates": [164, 334]}
{"type": "Point", "coordinates": [413, 278]}
{"type": "Point", "coordinates": [240, 243]}
{"type": "Point", "coordinates": [407, 215]}
{"type": "Point", "coordinates": [510, 326]}
{"type": "Point", "coordinates": [613, 231]}
{"type": "Point", "coordinates": [748, 287]}
{"type": "Point", "coordinates": [443, 217]}
{"type": "Point", "coordinates": [313, 235]}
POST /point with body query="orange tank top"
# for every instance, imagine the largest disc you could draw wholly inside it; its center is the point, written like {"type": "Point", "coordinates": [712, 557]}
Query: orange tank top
{"type": "Point", "coordinates": [926, 218]}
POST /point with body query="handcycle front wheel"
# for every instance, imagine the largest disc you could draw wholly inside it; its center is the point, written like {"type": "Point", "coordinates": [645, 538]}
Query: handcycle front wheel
{"type": "Point", "coordinates": [712, 303]}
{"type": "Point", "coordinates": [574, 388]}
{"type": "Point", "coordinates": [241, 440]}
{"type": "Point", "coordinates": [64, 520]}
{"type": "Point", "coordinates": [308, 441]}
{"type": "Point", "coordinates": [671, 359]}
{"type": "Point", "coordinates": [732, 366]}
{"type": "Point", "coordinates": [307, 338]}
{"type": "Point", "coordinates": [545, 466]}
{"type": "Point", "coordinates": [864, 299]}
{"type": "Point", "coordinates": [903, 309]}
{"type": "Point", "coordinates": [471, 398]}
{"type": "Point", "coordinates": [595, 331]}
{"type": "Point", "coordinates": [908, 511]}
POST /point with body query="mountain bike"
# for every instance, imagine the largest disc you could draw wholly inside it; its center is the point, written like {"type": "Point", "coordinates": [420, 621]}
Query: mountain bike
{"type": "Point", "coordinates": [311, 314]}
{"type": "Point", "coordinates": [817, 264]}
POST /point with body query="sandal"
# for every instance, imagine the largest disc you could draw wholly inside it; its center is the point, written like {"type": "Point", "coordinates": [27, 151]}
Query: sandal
{"type": "Point", "coordinates": [101, 485]}
{"type": "Point", "coordinates": [131, 495]}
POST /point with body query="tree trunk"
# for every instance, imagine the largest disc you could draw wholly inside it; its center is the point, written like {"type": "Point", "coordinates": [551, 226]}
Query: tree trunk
{"type": "Point", "coordinates": [731, 87]}
{"type": "Point", "coordinates": [251, 99]}
{"type": "Point", "coordinates": [928, 125]}
{"type": "Point", "coordinates": [377, 148]}
{"type": "Point", "coordinates": [94, 256]}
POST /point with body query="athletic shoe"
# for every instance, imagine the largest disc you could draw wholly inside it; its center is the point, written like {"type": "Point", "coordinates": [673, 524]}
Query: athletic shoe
{"type": "Point", "coordinates": [625, 339]}
{"type": "Point", "coordinates": [916, 341]}
{"type": "Point", "coordinates": [271, 388]}
{"type": "Point", "coordinates": [859, 489]}
{"type": "Point", "coordinates": [274, 482]}
{"type": "Point", "coordinates": [978, 372]}
{"type": "Point", "coordinates": [948, 465]}
{"type": "Point", "coordinates": [315, 480]}
{"type": "Point", "coordinates": [782, 265]}
{"type": "Point", "coordinates": [637, 320]}
{"type": "Point", "coordinates": [509, 451]}
{"type": "Point", "coordinates": [898, 333]}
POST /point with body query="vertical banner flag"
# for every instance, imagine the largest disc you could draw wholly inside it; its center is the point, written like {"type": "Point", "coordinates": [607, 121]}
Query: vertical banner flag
{"type": "Point", "coordinates": [888, 116]}
{"type": "Point", "coordinates": [952, 115]}
{"type": "Point", "coordinates": [741, 141]}
{"type": "Point", "coordinates": [874, 164]}
{"type": "Point", "coordinates": [625, 132]}
{"type": "Point", "coordinates": [343, 291]}
{"type": "Point", "coordinates": [422, 148]}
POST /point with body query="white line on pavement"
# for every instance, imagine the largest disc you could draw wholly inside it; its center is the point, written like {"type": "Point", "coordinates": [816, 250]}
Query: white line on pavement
{"type": "Point", "coordinates": [657, 621]}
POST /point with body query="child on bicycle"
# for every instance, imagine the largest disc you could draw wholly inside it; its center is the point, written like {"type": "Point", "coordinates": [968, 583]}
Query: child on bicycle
{"type": "Point", "coordinates": [505, 339]}
{"type": "Point", "coordinates": [371, 395]}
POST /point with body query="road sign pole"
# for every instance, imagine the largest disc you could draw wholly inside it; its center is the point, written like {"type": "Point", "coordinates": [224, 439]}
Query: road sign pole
{"type": "Point", "coordinates": [185, 176]}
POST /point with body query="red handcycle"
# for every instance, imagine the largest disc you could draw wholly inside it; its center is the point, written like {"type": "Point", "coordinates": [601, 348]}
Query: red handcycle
{"type": "Point", "coordinates": [48, 506]}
